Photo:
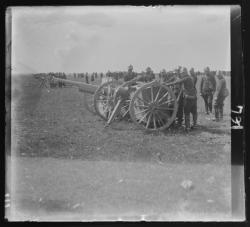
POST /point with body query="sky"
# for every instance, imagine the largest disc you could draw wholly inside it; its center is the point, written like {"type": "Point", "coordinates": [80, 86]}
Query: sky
{"type": "Point", "coordinates": [102, 38]}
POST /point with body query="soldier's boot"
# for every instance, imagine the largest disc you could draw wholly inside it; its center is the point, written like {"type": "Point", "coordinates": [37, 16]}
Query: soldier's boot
{"type": "Point", "coordinates": [179, 122]}
{"type": "Point", "coordinates": [221, 113]}
{"type": "Point", "coordinates": [210, 105]}
{"type": "Point", "coordinates": [194, 121]}
{"type": "Point", "coordinates": [206, 108]}
{"type": "Point", "coordinates": [216, 114]}
{"type": "Point", "coordinates": [187, 123]}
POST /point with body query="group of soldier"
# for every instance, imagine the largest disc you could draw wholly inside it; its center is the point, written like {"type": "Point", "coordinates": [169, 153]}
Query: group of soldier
{"type": "Point", "coordinates": [212, 92]}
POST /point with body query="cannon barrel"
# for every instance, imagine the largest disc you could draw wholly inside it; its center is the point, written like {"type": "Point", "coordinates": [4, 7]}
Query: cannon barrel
{"type": "Point", "coordinates": [83, 87]}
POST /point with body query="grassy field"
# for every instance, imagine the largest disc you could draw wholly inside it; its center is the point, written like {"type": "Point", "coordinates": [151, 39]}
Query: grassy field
{"type": "Point", "coordinates": [54, 124]}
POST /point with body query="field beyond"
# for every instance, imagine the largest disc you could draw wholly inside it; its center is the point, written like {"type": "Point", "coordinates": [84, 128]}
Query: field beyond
{"type": "Point", "coordinates": [54, 125]}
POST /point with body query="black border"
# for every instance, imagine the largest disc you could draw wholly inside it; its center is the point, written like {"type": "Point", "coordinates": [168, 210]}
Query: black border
{"type": "Point", "coordinates": [239, 65]}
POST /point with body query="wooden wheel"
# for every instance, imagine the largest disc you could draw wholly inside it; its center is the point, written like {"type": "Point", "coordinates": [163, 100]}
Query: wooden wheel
{"type": "Point", "coordinates": [153, 106]}
{"type": "Point", "coordinates": [104, 99]}
{"type": "Point", "coordinates": [126, 96]}
{"type": "Point", "coordinates": [88, 100]}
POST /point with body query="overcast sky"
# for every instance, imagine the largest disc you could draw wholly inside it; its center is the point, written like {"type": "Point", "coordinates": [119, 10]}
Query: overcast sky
{"type": "Point", "coordinates": [98, 39]}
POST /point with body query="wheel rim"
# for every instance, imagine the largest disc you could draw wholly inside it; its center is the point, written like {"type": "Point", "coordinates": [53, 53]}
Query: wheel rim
{"type": "Point", "coordinates": [104, 100]}
{"type": "Point", "coordinates": [153, 106]}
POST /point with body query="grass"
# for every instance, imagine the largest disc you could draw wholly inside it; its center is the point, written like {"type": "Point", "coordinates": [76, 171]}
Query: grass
{"type": "Point", "coordinates": [56, 124]}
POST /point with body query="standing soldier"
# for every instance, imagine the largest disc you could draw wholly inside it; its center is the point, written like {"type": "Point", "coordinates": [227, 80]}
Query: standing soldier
{"type": "Point", "coordinates": [189, 100]}
{"type": "Point", "coordinates": [193, 75]}
{"type": "Point", "coordinates": [220, 94]}
{"type": "Point", "coordinates": [177, 87]}
{"type": "Point", "coordinates": [87, 78]}
{"type": "Point", "coordinates": [92, 77]}
{"type": "Point", "coordinates": [207, 89]}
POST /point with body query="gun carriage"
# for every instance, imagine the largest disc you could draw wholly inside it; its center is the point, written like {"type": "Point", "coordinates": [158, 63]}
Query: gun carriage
{"type": "Point", "coordinates": [152, 106]}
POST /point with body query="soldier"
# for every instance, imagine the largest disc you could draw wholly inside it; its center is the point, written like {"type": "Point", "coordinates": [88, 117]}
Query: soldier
{"type": "Point", "coordinates": [189, 99]}
{"type": "Point", "coordinates": [64, 77]}
{"type": "Point", "coordinates": [194, 77]}
{"type": "Point", "coordinates": [220, 94]}
{"type": "Point", "coordinates": [92, 77]}
{"type": "Point", "coordinates": [87, 78]}
{"type": "Point", "coordinates": [207, 89]}
{"type": "Point", "coordinates": [130, 74]}
{"type": "Point", "coordinates": [177, 87]}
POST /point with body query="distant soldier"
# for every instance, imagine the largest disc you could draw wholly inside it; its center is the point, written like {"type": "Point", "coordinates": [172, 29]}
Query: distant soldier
{"type": "Point", "coordinates": [207, 89]}
{"type": "Point", "coordinates": [59, 75]}
{"type": "Point", "coordinates": [87, 78]}
{"type": "Point", "coordinates": [189, 99]}
{"type": "Point", "coordinates": [220, 94]}
{"type": "Point", "coordinates": [193, 75]}
{"type": "Point", "coordinates": [130, 74]}
{"type": "Point", "coordinates": [64, 77]}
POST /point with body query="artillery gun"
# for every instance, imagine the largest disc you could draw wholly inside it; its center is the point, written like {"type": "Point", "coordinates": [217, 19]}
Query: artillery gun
{"type": "Point", "coordinates": [152, 106]}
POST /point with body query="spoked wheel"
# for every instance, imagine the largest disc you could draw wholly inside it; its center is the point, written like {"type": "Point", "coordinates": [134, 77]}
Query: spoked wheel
{"type": "Point", "coordinates": [104, 99]}
{"type": "Point", "coordinates": [153, 106]}
{"type": "Point", "coordinates": [126, 96]}
{"type": "Point", "coordinates": [88, 100]}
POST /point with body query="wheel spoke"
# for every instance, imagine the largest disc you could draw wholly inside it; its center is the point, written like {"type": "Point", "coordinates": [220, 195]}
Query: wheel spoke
{"type": "Point", "coordinates": [159, 118]}
{"type": "Point", "coordinates": [158, 94]}
{"type": "Point", "coordinates": [152, 94]}
{"type": "Point", "coordinates": [144, 101]}
{"type": "Point", "coordinates": [154, 121]}
{"type": "Point", "coordinates": [163, 97]}
{"type": "Point", "coordinates": [148, 121]}
{"type": "Point", "coordinates": [143, 118]}
{"type": "Point", "coordinates": [167, 102]}
{"type": "Point", "coordinates": [141, 112]}
{"type": "Point", "coordinates": [125, 113]}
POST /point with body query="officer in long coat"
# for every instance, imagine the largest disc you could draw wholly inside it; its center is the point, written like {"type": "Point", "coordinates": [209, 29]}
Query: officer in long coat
{"type": "Point", "coordinates": [219, 96]}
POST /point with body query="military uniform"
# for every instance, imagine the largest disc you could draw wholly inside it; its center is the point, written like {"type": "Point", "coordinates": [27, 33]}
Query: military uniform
{"type": "Point", "coordinates": [207, 89]}
{"type": "Point", "coordinates": [179, 114]}
{"type": "Point", "coordinates": [189, 101]}
{"type": "Point", "coordinates": [220, 94]}
{"type": "Point", "coordinates": [177, 87]}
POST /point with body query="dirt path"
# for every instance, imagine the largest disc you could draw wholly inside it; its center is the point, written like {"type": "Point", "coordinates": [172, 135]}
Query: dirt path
{"type": "Point", "coordinates": [49, 189]}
